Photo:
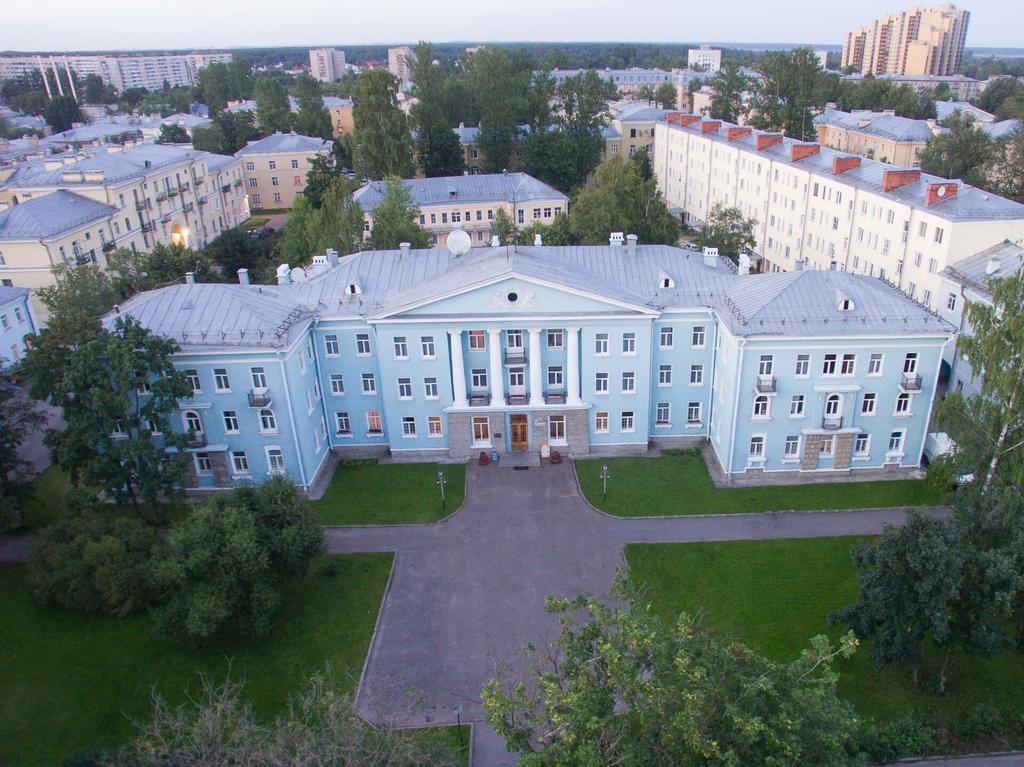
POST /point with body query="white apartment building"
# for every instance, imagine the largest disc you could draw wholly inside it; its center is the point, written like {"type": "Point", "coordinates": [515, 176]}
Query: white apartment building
{"type": "Point", "coordinates": [704, 58]}
{"type": "Point", "coordinates": [823, 209]}
{"type": "Point", "coordinates": [127, 71]}
{"type": "Point", "coordinates": [400, 63]}
{"type": "Point", "coordinates": [327, 64]}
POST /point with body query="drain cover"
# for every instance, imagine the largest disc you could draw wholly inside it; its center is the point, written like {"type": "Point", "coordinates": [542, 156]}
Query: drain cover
{"type": "Point", "coordinates": [520, 468]}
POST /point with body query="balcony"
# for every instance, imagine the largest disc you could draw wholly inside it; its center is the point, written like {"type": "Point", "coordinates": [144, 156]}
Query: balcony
{"type": "Point", "coordinates": [910, 381]}
{"type": "Point", "coordinates": [832, 422]}
{"type": "Point", "coordinates": [765, 384]}
{"type": "Point", "coordinates": [161, 197]}
{"type": "Point", "coordinates": [479, 400]}
{"type": "Point", "coordinates": [197, 439]}
{"type": "Point", "coordinates": [109, 246]}
{"type": "Point", "coordinates": [238, 182]}
{"type": "Point", "coordinates": [141, 205]}
{"type": "Point", "coordinates": [225, 189]}
{"type": "Point", "coordinates": [172, 192]}
{"type": "Point", "coordinates": [187, 207]}
{"type": "Point", "coordinates": [182, 188]}
{"type": "Point", "coordinates": [202, 201]}
{"type": "Point", "coordinates": [148, 226]}
{"type": "Point", "coordinates": [515, 356]}
{"type": "Point", "coordinates": [260, 397]}
{"type": "Point", "coordinates": [517, 399]}
{"type": "Point", "coordinates": [554, 398]}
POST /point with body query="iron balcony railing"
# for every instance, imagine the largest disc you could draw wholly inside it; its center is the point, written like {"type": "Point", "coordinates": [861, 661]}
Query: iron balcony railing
{"type": "Point", "coordinates": [259, 397]}
{"type": "Point", "coordinates": [515, 356]}
{"type": "Point", "coordinates": [197, 439]}
{"type": "Point", "coordinates": [479, 400]}
{"type": "Point", "coordinates": [910, 381]}
{"type": "Point", "coordinates": [765, 384]}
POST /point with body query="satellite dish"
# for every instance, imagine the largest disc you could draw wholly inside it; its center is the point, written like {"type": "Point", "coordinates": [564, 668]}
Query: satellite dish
{"type": "Point", "coordinates": [299, 274]}
{"type": "Point", "coordinates": [459, 243]}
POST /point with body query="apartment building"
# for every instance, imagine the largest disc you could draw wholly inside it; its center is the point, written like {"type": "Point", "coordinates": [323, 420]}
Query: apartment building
{"type": "Point", "coordinates": [628, 81]}
{"type": "Point", "coordinates": [705, 58]}
{"type": "Point", "coordinates": [150, 71]}
{"type": "Point", "coordinates": [275, 168]}
{"type": "Point", "coordinates": [817, 208]}
{"type": "Point", "coordinates": [595, 349]}
{"type": "Point", "coordinates": [924, 40]}
{"type": "Point", "coordinates": [76, 208]}
{"type": "Point", "coordinates": [631, 128]}
{"type": "Point", "coordinates": [471, 202]}
{"type": "Point", "coordinates": [17, 322]}
{"type": "Point", "coordinates": [962, 87]}
{"type": "Point", "coordinates": [944, 109]}
{"type": "Point", "coordinates": [400, 61]}
{"type": "Point", "coordinates": [327, 64]}
{"type": "Point", "coordinates": [877, 135]}
{"type": "Point", "coordinates": [340, 110]}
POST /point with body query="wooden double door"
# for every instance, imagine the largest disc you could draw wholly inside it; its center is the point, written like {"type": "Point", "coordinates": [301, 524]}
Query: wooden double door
{"type": "Point", "coordinates": [520, 431]}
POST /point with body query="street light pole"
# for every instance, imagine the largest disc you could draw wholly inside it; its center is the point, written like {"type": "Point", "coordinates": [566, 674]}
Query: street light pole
{"type": "Point", "coordinates": [441, 483]}
{"type": "Point", "coordinates": [604, 481]}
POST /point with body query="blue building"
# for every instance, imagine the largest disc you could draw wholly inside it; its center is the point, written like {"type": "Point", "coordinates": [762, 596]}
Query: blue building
{"type": "Point", "coordinates": [16, 323]}
{"type": "Point", "coordinates": [427, 354]}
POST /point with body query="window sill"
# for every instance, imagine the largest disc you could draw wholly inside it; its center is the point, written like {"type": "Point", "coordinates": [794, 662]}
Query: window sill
{"type": "Point", "coordinates": [401, 359]}
{"type": "Point", "coordinates": [797, 417]}
{"type": "Point", "coordinates": [405, 399]}
{"type": "Point", "coordinates": [558, 442]}
{"type": "Point", "coordinates": [369, 394]}
{"type": "Point", "coordinates": [435, 436]}
{"type": "Point", "coordinates": [694, 424]}
{"type": "Point", "coordinates": [861, 458]}
{"type": "Point", "coordinates": [902, 415]}
{"type": "Point", "coordinates": [664, 386]}
{"type": "Point", "coordinates": [343, 434]}
{"type": "Point", "coordinates": [432, 357]}
{"type": "Point", "coordinates": [696, 385]}
{"type": "Point", "coordinates": [215, 391]}
{"type": "Point", "coordinates": [791, 460]}
{"type": "Point", "coordinates": [337, 394]}
{"type": "Point", "coordinates": [483, 445]}
{"type": "Point", "coordinates": [601, 431]}
{"type": "Point", "coordinates": [628, 393]}
{"type": "Point", "coordinates": [627, 431]}
{"type": "Point", "coordinates": [408, 436]}
{"type": "Point", "coordinates": [374, 434]}
{"type": "Point", "coordinates": [269, 433]}
{"type": "Point", "coordinates": [662, 426]}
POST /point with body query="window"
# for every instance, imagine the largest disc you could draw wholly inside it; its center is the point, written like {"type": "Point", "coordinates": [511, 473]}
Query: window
{"type": "Point", "coordinates": [555, 379]}
{"type": "Point", "coordinates": [404, 388]}
{"type": "Point", "coordinates": [896, 442]}
{"type": "Point", "coordinates": [337, 384]}
{"type": "Point", "coordinates": [796, 406]}
{"type": "Point", "coordinates": [342, 424]}
{"type": "Point", "coordinates": [302, 362]}
{"type": "Point", "coordinates": [792, 447]}
{"type": "Point", "coordinates": [756, 447]}
{"type": "Point", "coordinates": [556, 428]}
{"type": "Point", "coordinates": [665, 340]}
{"type": "Point", "coordinates": [601, 344]}
{"type": "Point", "coordinates": [601, 383]}
{"type": "Point", "coordinates": [250, 166]}
{"type": "Point", "coordinates": [626, 422]}
{"type": "Point", "coordinates": [239, 462]}
{"type": "Point", "coordinates": [910, 363]}
{"type": "Point", "coordinates": [373, 423]}
{"type": "Point", "coordinates": [274, 182]}
{"type": "Point", "coordinates": [761, 406]}
{"type": "Point", "coordinates": [628, 383]}
{"type": "Point", "coordinates": [938, 234]}
{"type": "Point", "coordinates": [555, 339]}
{"type": "Point", "coordinates": [832, 404]}
{"type": "Point", "coordinates": [203, 463]}
{"type": "Point", "coordinates": [828, 365]}
{"type": "Point", "coordinates": [275, 461]}
{"type": "Point", "coordinates": [192, 423]}
{"type": "Point", "coordinates": [316, 390]}
{"type": "Point", "coordinates": [369, 384]}
{"type": "Point", "coordinates": [272, 165]}
{"type": "Point", "coordinates": [479, 378]}
{"type": "Point", "coordinates": [665, 375]}
{"type": "Point", "coordinates": [663, 414]}
{"type": "Point", "coordinates": [951, 301]}
{"type": "Point", "coordinates": [765, 365]}
{"type": "Point", "coordinates": [903, 404]}
{"type": "Point", "coordinates": [481, 430]}
{"type": "Point", "coordinates": [696, 375]}
{"type": "Point", "coordinates": [192, 375]}
{"type": "Point", "coordinates": [601, 421]}
{"type": "Point", "coordinates": [231, 422]}
{"type": "Point", "coordinates": [848, 364]}
{"type": "Point", "coordinates": [427, 347]}
{"type": "Point", "coordinates": [259, 378]}
{"type": "Point", "coordinates": [803, 364]}
{"type": "Point", "coordinates": [875, 365]}
{"type": "Point", "coordinates": [363, 345]}
{"type": "Point", "coordinates": [221, 382]}
{"type": "Point", "coordinates": [693, 411]}
{"type": "Point", "coordinates": [268, 421]}
{"type": "Point", "coordinates": [408, 426]}
{"type": "Point", "coordinates": [862, 444]}
{"type": "Point", "coordinates": [867, 405]}
{"type": "Point", "coordinates": [697, 338]}
{"type": "Point", "coordinates": [477, 341]}
{"type": "Point", "coordinates": [629, 343]}
{"type": "Point", "coordinates": [434, 426]}
{"type": "Point", "coordinates": [331, 346]}
{"type": "Point", "coordinates": [826, 446]}
{"type": "Point", "coordinates": [401, 348]}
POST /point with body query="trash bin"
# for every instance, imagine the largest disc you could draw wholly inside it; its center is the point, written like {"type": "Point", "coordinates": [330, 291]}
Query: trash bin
{"type": "Point", "coordinates": [494, 456]}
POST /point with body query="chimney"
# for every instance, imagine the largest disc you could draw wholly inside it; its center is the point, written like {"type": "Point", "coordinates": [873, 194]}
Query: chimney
{"type": "Point", "coordinates": [190, 278]}
{"type": "Point", "coordinates": [711, 257]}
{"type": "Point", "coordinates": [937, 192]}
{"type": "Point", "coordinates": [843, 164]}
{"type": "Point", "coordinates": [495, 241]}
{"type": "Point", "coordinates": [894, 179]}
{"type": "Point", "coordinates": [332, 257]}
{"type": "Point", "coordinates": [683, 120]}
{"type": "Point", "coordinates": [538, 240]}
{"type": "Point", "coordinates": [631, 244]}
{"type": "Point", "coordinates": [765, 140]}
{"type": "Point", "coordinates": [615, 239]}
{"type": "Point", "coordinates": [710, 126]}
{"type": "Point", "coordinates": [743, 264]}
{"type": "Point", "coordinates": [798, 265]}
{"type": "Point", "coordinates": [405, 247]}
{"type": "Point", "coordinates": [284, 275]}
{"type": "Point", "coordinates": [800, 151]}
{"type": "Point", "coordinates": [735, 132]}
{"type": "Point", "coordinates": [243, 276]}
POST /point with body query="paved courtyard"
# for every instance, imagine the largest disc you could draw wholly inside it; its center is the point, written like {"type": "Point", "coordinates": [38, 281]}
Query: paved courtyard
{"type": "Point", "coordinates": [468, 592]}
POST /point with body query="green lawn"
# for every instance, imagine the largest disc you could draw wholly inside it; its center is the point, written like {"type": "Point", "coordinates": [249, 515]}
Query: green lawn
{"type": "Point", "coordinates": [678, 483]}
{"type": "Point", "coordinates": [775, 595]}
{"type": "Point", "coordinates": [71, 680]}
{"type": "Point", "coordinates": [255, 222]}
{"type": "Point", "coordinates": [368, 493]}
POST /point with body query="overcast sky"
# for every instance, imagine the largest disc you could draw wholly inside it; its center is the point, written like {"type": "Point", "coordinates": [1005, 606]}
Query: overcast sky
{"type": "Point", "coordinates": [115, 24]}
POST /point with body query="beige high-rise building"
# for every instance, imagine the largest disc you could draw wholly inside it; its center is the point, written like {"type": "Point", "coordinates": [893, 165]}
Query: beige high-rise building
{"type": "Point", "coordinates": [920, 41]}
{"type": "Point", "coordinates": [326, 64]}
{"type": "Point", "coordinates": [400, 63]}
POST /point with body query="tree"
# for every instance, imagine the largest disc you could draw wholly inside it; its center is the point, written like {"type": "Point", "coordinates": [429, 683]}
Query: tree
{"type": "Point", "coordinates": [17, 416]}
{"type": "Point", "coordinates": [93, 561]}
{"type": "Point", "coordinates": [1007, 174]}
{"type": "Point", "coordinates": [503, 228]}
{"type": "Point", "coordinates": [964, 152]}
{"type": "Point", "coordinates": [312, 119]}
{"type": "Point", "coordinates": [76, 300]}
{"type": "Point", "coordinates": [665, 94]}
{"type": "Point", "coordinates": [618, 686]}
{"type": "Point", "coordinates": [239, 79]}
{"type": "Point", "coordinates": [558, 232]}
{"type": "Point", "coordinates": [229, 132]}
{"type": "Point", "coordinates": [500, 83]}
{"type": "Point", "coordinates": [272, 107]}
{"type": "Point", "coordinates": [117, 390]}
{"type": "Point", "coordinates": [728, 230]}
{"type": "Point", "coordinates": [214, 87]}
{"type": "Point", "coordinates": [227, 560]}
{"type": "Point", "coordinates": [339, 222]}
{"type": "Point", "coordinates": [173, 134]}
{"type": "Point", "coordinates": [382, 144]}
{"type": "Point", "coordinates": [234, 249]}
{"type": "Point", "coordinates": [60, 112]}
{"type": "Point", "coordinates": [96, 92]}
{"type": "Point", "coordinates": [728, 86]}
{"type": "Point", "coordinates": [793, 91]}
{"type": "Point", "coordinates": [395, 219]}
{"type": "Point", "coordinates": [618, 199]}
{"type": "Point", "coordinates": [439, 151]}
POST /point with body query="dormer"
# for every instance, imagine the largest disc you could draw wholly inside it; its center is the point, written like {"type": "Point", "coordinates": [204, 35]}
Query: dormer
{"type": "Point", "coordinates": [353, 289]}
{"type": "Point", "coordinates": [843, 302]}
{"type": "Point", "coordinates": [665, 282]}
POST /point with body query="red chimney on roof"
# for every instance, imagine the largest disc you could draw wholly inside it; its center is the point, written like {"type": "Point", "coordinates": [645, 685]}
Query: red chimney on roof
{"type": "Point", "coordinates": [685, 120]}
{"type": "Point", "coordinates": [710, 126]}
{"type": "Point", "coordinates": [800, 151]}
{"type": "Point", "coordinates": [843, 164]}
{"type": "Point", "coordinates": [765, 140]}
{"type": "Point", "coordinates": [936, 192]}
{"type": "Point", "coordinates": [894, 179]}
{"type": "Point", "coordinates": [735, 132]}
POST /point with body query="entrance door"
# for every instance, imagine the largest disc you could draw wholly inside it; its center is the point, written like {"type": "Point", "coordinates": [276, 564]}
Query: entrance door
{"type": "Point", "coordinates": [520, 431]}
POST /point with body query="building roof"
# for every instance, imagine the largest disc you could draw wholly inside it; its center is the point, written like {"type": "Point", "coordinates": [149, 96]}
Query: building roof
{"type": "Point", "coordinates": [284, 143]}
{"type": "Point", "coordinates": [101, 166]}
{"type": "Point", "coordinates": [1001, 129]}
{"type": "Point", "coordinates": [186, 121]}
{"type": "Point", "coordinates": [882, 124]}
{"type": "Point", "coordinates": [105, 128]}
{"type": "Point", "coordinates": [944, 109]}
{"type": "Point", "coordinates": [639, 111]}
{"type": "Point", "coordinates": [482, 187]}
{"type": "Point", "coordinates": [51, 215]}
{"type": "Point", "coordinates": [334, 102]}
{"type": "Point", "coordinates": [1002, 260]}
{"type": "Point", "coordinates": [9, 295]}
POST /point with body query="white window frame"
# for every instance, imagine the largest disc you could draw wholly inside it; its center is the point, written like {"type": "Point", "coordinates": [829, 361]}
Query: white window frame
{"type": "Point", "coordinates": [274, 453]}
{"type": "Point", "coordinates": [332, 345]}
{"type": "Point", "coordinates": [666, 337]}
{"type": "Point", "coordinates": [221, 375]}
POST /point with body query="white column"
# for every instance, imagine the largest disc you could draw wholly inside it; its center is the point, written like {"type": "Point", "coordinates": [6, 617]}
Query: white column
{"type": "Point", "coordinates": [458, 369]}
{"type": "Point", "coordinates": [497, 369]}
{"type": "Point", "coordinates": [536, 387]}
{"type": "Point", "coordinates": [572, 356]}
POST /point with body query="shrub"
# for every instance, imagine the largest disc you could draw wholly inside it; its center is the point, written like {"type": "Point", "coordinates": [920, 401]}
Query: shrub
{"type": "Point", "coordinates": [901, 738]}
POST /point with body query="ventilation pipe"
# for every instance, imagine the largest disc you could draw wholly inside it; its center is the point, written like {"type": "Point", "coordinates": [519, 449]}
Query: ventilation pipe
{"type": "Point", "coordinates": [405, 247]}
{"type": "Point", "coordinates": [243, 276]}
{"type": "Point", "coordinates": [190, 278]}
{"type": "Point", "coordinates": [744, 263]}
{"type": "Point", "coordinates": [711, 257]}
{"type": "Point", "coordinates": [284, 275]}
{"type": "Point", "coordinates": [332, 257]}
{"type": "Point", "coordinates": [615, 239]}
{"type": "Point", "coordinates": [631, 245]}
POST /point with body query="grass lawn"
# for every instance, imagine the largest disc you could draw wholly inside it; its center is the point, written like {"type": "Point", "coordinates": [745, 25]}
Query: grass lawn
{"type": "Point", "coordinates": [269, 211]}
{"type": "Point", "coordinates": [72, 680]}
{"type": "Point", "coordinates": [775, 595]}
{"type": "Point", "coordinates": [678, 483]}
{"type": "Point", "coordinates": [255, 222]}
{"type": "Point", "coordinates": [368, 493]}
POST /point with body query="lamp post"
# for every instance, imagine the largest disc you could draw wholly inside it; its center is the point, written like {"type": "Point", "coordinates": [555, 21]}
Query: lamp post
{"type": "Point", "coordinates": [458, 722]}
{"type": "Point", "coordinates": [604, 481]}
{"type": "Point", "coordinates": [441, 483]}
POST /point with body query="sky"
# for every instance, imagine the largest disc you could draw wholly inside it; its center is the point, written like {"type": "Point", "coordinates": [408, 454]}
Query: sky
{"type": "Point", "coordinates": [116, 25]}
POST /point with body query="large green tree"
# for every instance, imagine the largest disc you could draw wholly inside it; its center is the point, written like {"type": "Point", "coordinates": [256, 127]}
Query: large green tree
{"type": "Point", "coordinates": [620, 687]}
{"type": "Point", "coordinates": [964, 152]}
{"type": "Point", "coordinates": [273, 111]}
{"type": "Point", "coordinates": [794, 89]}
{"type": "Point", "coordinates": [729, 84]}
{"type": "Point", "coordinates": [214, 87]}
{"type": "Point", "coordinates": [173, 134]}
{"type": "Point", "coordinates": [337, 223]}
{"type": "Point", "coordinates": [60, 112]}
{"type": "Point", "coordinates": [382, 144]}
{"type": "Point", "coordinates": [665, 95]}
{"type": "Point", "coordinates": [728, 230]}
{"type": "Point", "coordinates": [499, 80]}
{"type": "Point", "coordinates": [312, 119]}
{"type": "Point", "coordinates": [18, 416]}
{"type": "Point", "coordinates": [395, 219]}
{"type": "Point", "coordinates": [1007, 174]}
{"type": "Point", "coordinates": [438, 150]}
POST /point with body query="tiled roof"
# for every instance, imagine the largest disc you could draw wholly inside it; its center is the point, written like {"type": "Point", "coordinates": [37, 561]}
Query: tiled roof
{"type": "Point", "coordinates": [483, 187]}
{"type": "Point", "coordinates": [284, 143]}
{"type": "Point", "coordinates": [51, 215]}
{"type": "Point", "coordinates": [877, 124]}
